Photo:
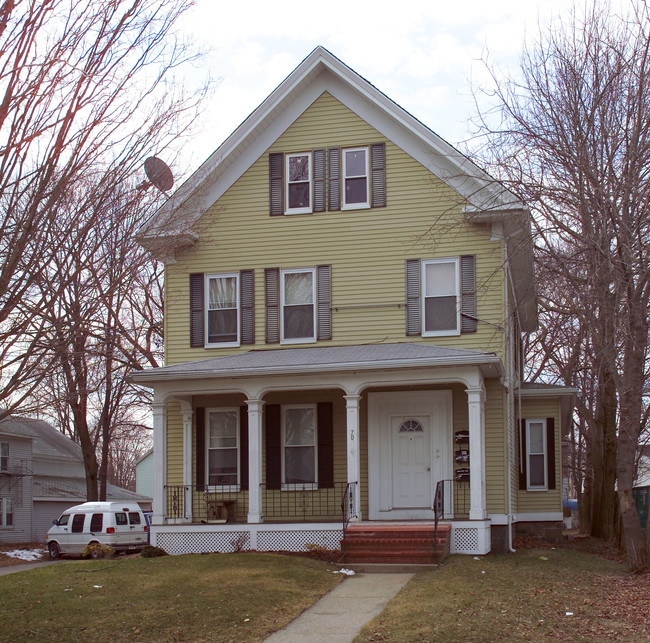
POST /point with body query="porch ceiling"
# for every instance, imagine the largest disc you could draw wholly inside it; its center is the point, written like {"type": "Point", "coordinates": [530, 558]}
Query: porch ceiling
{"type": "Point", "coordinates": [319, 359]}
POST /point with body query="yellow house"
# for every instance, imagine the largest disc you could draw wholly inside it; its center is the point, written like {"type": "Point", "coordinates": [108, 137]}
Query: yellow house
{"type": "Point", "coordinates": [345, 299]}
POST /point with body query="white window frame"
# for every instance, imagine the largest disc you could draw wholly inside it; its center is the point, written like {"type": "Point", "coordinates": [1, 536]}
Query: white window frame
{"type": "Point", "coordinates": [4, 456]}
{"type": "Point", "coordinates": [365, 204]}
{"type": "Point", "coordinates": [221, 275]}
{"type": "Point", "coordinates": [290, 486]}
{"type": "Point", "coordinates": [4, 503]}
{"type": "Point", "coordinates": [307, 209]}
{"type": "Point", "coordinates": [222, 487]}
{"type": "Point", "coordinates": [529, 453]}
{"type": "Point", "coordinates": [298, 340]}
{"type": "Point", "coordinates": [438, 333]}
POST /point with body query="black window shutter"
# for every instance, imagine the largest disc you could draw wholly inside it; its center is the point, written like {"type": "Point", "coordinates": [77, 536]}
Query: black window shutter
{"type": "Point", "coordinates": [247, 299]}
{"type": "Point", "coordinates": [413, 304]}
{"type": "Point", "coordinates": [523, 455]}
{"type": "Point", "coordinates": [200, 448]}
{"type": "Point", "coordinates": [325, 430]}
{"type": "Point", "coordinates": [197, 317]}
{"type": "Point", "coordinates": [273, 446]}
{"type": "Point", "coordinates": [243, 447]}
{"type": "Point", "coordinates": [550, 448]}
{"type": "Point", "coordinates": [319, 180]}
{"type": "Point", "coordinates": [272, 282]}
{"type": "Point", "coordinates": [334, 167]}
{"type": "Point", "coordinates": [324, 293]}
{"type": "Point", "coordinates": [468, 323]}
{"type": "Point", "coordinates": [276, 183]}
{"type": "Point", "coordinates": [378, 168]}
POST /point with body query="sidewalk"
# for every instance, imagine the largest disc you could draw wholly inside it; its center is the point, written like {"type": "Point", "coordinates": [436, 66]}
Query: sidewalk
{"type": "Point", "coordinates": [339, 616]}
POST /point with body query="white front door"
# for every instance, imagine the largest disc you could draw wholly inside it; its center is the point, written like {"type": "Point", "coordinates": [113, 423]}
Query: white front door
{"type": "Point", "coordinates": [411, 462]}
{"type": "Point", "coordinates": [409, 450]}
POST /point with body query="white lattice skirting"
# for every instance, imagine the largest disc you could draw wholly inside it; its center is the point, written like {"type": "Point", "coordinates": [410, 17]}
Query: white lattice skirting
{"type": "Point", "coordinates": [200, 539]}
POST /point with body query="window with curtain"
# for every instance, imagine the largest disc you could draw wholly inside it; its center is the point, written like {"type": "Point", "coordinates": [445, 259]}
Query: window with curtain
{"type": "Point", "coordinates": [222, 309]}
{"type": "Point", "coordinates": [298, 305]}
{"type": "Point", "coordinates": [223, 447]}
{"type": "Point", "coordinates": [299, 445]}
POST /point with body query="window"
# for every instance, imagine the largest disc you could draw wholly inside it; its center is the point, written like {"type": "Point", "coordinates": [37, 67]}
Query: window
{"type": "Point", "coordinates": [223, 447]}
{"type": "Point", "coordinates": [536, 454]}
{"type": "Point", "coordinates": [298, 173]}
{"type": "Point", "coordinates": [120, 519]}
{"type": "Point", "coordinates": [441, 310]}
{"type": "Point", "coordinates": [355, 177]}
{"type": "Point", "coordinates": [78, 523]}
{"type": "Point", "coordinates": [298, 306]}
{"type": "Point", "coordinates": [299, 456]}
{"type": "Point", "coordinates": [134, 518]}
{"type": "Point", "coordinates": [4, 456]}
{"type": "Point", "coordinates": [96, 522]}
{"type": "Point", "coordinates": [222, 309]}
{"type": "Point", "coordinates": [6, 512]}
{"type": "Point", "coordinates": [63, 520]}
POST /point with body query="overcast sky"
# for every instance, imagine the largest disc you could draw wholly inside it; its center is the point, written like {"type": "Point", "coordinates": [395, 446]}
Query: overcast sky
{"type": "Point", "coordinates": [424, 54]}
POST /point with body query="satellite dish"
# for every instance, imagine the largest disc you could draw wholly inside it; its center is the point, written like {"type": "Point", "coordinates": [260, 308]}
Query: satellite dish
{"type": "Point", "coordinates": [158, 174]}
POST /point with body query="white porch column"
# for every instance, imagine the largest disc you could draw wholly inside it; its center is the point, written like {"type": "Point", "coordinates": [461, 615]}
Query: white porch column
{"type": "Point", "coordinates": [160, 470]}
{"type": "Point", "coordinates": [187, 414]}
{"type": "Point", "coordinates": [478, 496]}
{"type": "Point", "coordinates": [255, 509]}
{"type": "Point", "coordinates": [354, 453]}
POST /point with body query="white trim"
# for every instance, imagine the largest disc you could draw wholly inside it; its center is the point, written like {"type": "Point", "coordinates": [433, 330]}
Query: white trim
{"type": "Point", "coordinates": [221, 275]}
{"type": "Point", "coordinates": [221, 487]}
{"type": "Point", "coordinates": [295, 271]}
{"type": "Point", "coordinates": [364, 204]}
{"type": "Point", "coordinates": [544, 453]}
{"type": "Point", "coordinates": [299, 486]}
{"type": "Point", "coordinates": [310, 181]}
{"type": "Point", "coordinates": [427, 262]}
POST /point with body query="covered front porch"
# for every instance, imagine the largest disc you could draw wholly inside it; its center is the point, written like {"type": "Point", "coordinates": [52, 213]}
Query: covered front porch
{"type": "Point", "coordinates": [320, 438]}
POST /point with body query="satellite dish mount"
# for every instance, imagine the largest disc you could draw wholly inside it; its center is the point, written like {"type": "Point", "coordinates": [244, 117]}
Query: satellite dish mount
{"type": "Point", "coordinates": [158, 174]}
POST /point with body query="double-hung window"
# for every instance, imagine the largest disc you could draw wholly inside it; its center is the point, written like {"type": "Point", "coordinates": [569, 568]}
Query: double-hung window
{"type": "Point", "coordinates": [6, 512]}
{"type": "Point", "coordinates": [4, 456]}
{"type": "Point", "coordinates": [299, 445]}
{"type": "Point", "coordinates": [223, 448]}
{"type": "Point", "coordinates": [441, 300]}
{"type": "Point", "coordinates": [222, 309]}
{"type": "Point", "coordinates": [298, 300]}
{"type": "Point", "coordinates": [299, 177]}
{"type": "Point", "coordinates": [355, 177]}
{"type": "Point", "coordinates": [537, 454]}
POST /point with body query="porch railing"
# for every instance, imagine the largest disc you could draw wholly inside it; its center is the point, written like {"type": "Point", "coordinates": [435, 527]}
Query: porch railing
{"type": "Point", "coordinates": [347, 505]}
{"type": "Point", "coordinates": [451, 500]}
{"type": "Point", "coordinates": [203, 505]}
{"type": "Point", "coordinates": [302, 502]}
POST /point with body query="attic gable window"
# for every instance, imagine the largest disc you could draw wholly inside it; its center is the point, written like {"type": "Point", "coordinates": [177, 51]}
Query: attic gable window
{"type": "Point", "coordinates": [299, 177]}
{"type": "Point", "coordinates": [355, 176]}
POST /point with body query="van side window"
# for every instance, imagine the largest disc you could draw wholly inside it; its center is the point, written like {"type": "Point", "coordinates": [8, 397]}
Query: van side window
{"type": "Point", "coordinates": [97, 522]}
{"type": "Point", "coordinates": [120, 519]}
{"type": "Point", "coordinates": [134, 518]}
{"type": "Point", "coordinates": [78, 523]}
{"type": "Point", "coordinates": [63, 520]}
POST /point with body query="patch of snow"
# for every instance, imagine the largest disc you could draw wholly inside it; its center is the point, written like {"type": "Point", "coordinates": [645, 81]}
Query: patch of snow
{"type": "Point", "coordinates": [347, 572]}
{"type": "Point", "coordinates": [26, 554]}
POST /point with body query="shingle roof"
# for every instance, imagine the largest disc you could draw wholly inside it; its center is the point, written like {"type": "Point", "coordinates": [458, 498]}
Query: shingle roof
{"type": "Point", "coordinates": [75, 489]}
{"type": "Point", "coordinates": [46, 439]}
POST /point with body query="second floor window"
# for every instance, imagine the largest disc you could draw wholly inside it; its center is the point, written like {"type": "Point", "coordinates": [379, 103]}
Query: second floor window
{"type": "Point", "coordinates": [441, 310]}
{"type": "Point", "coordinates": [222, 309]}
{"type": "Point", "coordinates": [298, 305]}
{"type": "Point", "coordinates": [4, 456]}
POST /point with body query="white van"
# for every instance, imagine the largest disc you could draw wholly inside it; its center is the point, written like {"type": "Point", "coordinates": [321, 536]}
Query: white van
{"type": "Point", "coordinates": [120, 525]}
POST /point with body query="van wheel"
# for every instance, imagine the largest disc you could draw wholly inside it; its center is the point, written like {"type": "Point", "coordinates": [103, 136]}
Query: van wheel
{"type": "Point", "coordinates": [55, 551]}
{"type": "Point", "coordinates": [96, 551]}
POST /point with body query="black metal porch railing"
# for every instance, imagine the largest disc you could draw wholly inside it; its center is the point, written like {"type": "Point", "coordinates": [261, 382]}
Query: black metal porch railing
{"type": "Point", "coordinates": [299, 503]}
{"type": "Point", "coordinates": [347, 505]}
{"type": "Point", "coordinates": [451, 500]}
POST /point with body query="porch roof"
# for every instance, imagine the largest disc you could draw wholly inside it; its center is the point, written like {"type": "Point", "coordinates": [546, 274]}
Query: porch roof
{"type": "Point", "coordinates": [315, 359]}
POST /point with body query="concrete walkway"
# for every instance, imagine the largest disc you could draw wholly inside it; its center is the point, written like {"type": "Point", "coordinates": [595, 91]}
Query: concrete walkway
{"type": "Point", "coordinates": [14, 569]}
{"type": "Point", "coordinates": [339, 616]}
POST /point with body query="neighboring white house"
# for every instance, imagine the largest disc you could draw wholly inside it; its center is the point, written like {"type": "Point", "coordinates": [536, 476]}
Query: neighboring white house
{"type": "Point", "coordinates": [144, 474]}
{"type": "Point", "coordinates": [41, 475]}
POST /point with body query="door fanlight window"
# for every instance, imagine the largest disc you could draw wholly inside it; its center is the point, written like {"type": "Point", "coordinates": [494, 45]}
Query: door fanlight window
{"type": "Point", "coordinates": [410, 426]}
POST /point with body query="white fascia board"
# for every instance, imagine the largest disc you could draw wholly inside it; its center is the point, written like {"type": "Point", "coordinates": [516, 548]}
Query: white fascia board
{"type": "Point", "coordinates": [546, 392]}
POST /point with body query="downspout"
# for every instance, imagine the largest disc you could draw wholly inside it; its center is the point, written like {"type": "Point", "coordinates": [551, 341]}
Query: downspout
{"type": "Point", "coordinates": [510, 400]}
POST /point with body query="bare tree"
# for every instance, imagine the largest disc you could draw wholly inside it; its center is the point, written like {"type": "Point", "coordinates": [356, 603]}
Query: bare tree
{"type": "Point", "coordinates": [574, 141]}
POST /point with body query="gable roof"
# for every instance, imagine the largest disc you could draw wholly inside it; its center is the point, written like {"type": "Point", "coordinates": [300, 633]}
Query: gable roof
{"type": "Point", "coordinates": [46, 440]}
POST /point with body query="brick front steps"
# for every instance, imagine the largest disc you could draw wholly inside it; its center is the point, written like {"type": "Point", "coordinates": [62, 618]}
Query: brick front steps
{"type": "Point", "coordinates": [396, 544]}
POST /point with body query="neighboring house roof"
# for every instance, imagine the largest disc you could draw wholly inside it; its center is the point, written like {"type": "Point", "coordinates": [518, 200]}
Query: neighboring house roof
{"type": "Point", "coordinates": [565, 394]}
{"type": "Point", "coordinates": [58, 488]}
{"type": "Point", "coordinates": [146, 454]}
{"type": "Point", "coordinates": [319, 359]}
{"type": "Point", "coordinates": [46, 440]}
{"type": "Point", "coordinates": [487, 201]}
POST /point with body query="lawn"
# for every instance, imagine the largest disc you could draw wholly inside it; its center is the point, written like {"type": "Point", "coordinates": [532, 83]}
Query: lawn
{"type": "Point", "coordinates": [213, 597]}
{"type": "Point", "coordinates": [533, 595]}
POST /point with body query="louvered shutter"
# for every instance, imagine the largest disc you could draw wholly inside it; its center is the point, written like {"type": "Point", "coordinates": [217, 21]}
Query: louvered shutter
{"type": "Point", "coordinates": [319, 180]}
{"type": "Point", "coordinates": [325, 419]}
{"type": "Point", "coordinates": [273, 446]}
{"type": "Point", "coordinates": [378, 169]}
{"type": "Point", "coordinates": [324, 293]}
{"type": "Point", "coordinates": [200, 448]}
{"type": "Point", "coordinates": [243, 447]}
{"type": "Point", "coordinates": [197, 315]}
{"type": "Point", "coordinates": [413, 307]}
{"type": "Point", "coordinates": [334, 173]}
{"type": "Point", "coordinates": [523, 455]}
{"type": "Point", "coordinates": [550, 452]}
{"type": "Point", "coordinates": [468, 323]}
{"type": "Point", "coordinates": [272, 282]}
{"type": "Point", "coordinates": [247, 301]}
{"type": "Point", "coordinates": [276, 183]}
